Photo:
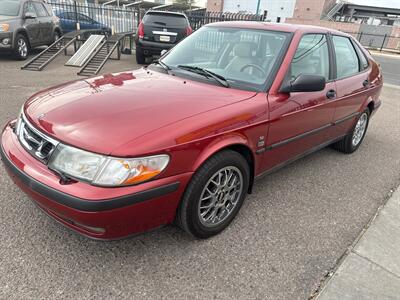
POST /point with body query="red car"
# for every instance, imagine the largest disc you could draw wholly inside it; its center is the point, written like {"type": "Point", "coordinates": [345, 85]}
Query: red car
{"type": "Point", "coordinates": [184, 139]}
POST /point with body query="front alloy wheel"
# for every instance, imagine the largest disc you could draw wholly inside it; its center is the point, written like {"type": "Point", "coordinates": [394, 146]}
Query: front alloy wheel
{"type": "Point", "coordinates": [220, 196]}
{"type": "Point", "coordinates": [21, 50]}
{"type": "Point", "coordinates": [214, 195]}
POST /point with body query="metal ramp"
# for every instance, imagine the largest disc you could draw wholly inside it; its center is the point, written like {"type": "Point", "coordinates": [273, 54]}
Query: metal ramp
{"type": "Point", "coordinates": [85, 51]}
{"type": "Point", "coordinates": [102, 54]}
{"type": "Point", "coordinates": [50, 53]}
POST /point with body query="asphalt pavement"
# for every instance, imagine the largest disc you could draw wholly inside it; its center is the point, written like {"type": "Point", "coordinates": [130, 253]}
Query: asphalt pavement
{"type": "Point", "coordinates": [390, 64]}
{"type": "Point", "coordinates": [289, 234]}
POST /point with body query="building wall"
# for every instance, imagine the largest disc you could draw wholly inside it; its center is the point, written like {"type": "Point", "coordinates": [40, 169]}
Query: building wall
{"type": "Point", "coordinates": [394, 41]}
{"type": "Point", "coordinates": [345, 27]}
{"type": "Point", "coordinates": [311, 9]}
{"type": "Point", "coordinates": [275, 8]}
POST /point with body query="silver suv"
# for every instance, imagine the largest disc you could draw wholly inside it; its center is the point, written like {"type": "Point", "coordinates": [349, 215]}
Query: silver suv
{"type": "Point", "coordinates": [25, 24]}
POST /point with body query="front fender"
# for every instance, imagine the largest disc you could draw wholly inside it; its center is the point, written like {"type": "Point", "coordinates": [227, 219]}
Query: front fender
{"type": "Point", "coordinates": [222, 142]}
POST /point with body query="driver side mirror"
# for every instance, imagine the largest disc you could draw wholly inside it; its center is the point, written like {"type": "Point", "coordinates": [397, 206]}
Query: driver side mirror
{"type": "Point", "coordinates": [304, 83]}
{"type": "Point", "coordinates": [29, 15]}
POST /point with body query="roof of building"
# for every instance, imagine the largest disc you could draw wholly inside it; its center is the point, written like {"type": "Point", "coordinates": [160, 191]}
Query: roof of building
{"type": "Point", "coordinates": [395, 4]}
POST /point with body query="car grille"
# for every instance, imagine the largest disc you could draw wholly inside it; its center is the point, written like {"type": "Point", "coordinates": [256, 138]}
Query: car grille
{"type": "Point", "coordinates": [36, 143]}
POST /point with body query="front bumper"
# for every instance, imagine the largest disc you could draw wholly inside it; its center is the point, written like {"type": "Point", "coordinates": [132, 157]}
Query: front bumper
{"type": "Point", "coordinates": [102, 213]}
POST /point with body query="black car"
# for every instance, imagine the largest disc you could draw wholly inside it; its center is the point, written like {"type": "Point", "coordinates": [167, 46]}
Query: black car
{"type": "Point", "coordinates": [25, 24]}
{"type": "Point", "coordinates": [160, 30]}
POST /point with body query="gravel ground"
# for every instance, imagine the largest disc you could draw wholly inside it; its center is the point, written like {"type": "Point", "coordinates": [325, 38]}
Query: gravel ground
{"type": "Point", "coordinates": [289, 233]}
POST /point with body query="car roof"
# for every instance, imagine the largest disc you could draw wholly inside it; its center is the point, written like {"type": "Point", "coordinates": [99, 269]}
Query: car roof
{"type": "Point", "coordinates": [285, 27]}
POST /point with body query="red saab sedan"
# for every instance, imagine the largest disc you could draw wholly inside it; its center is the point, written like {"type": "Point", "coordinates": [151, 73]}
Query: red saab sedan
{"type": "Point", "coordinates": [184, 139]}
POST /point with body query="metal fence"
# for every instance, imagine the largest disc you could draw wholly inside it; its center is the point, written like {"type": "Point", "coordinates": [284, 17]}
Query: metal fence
{"type": "Point", "coordinates": [200, 18]}
{"type": "Point", "coordinates": [120, 19]}
{"type": "Point", "coordinates": [377, 41]}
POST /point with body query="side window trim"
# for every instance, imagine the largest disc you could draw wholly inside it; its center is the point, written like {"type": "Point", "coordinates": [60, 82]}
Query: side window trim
{"type": "Point", "coordinates": [332, 58]}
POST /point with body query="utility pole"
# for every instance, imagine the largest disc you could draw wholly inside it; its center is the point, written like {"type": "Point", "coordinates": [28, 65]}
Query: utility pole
{"type": "Point", "coordinates": [258, 6]}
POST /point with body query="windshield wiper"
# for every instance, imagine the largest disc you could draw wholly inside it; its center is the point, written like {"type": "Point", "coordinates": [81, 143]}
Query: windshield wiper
{"type": "Point", "coordinates": [207, 73]}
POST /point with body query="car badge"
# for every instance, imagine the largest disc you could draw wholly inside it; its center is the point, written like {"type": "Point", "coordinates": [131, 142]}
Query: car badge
{"type": "Point", "coordinates": [261, 141]}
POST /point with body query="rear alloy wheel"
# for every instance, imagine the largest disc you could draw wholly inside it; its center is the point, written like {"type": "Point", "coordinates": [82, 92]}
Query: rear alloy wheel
{"type": "Point", "coordinates": [353, 140]}
{"type": "Point", "coordinates": [214, 195]}
{"type": "Point", "coordinates": [140, 58]}
{"type": "Point", "coordinates": [21, 47]}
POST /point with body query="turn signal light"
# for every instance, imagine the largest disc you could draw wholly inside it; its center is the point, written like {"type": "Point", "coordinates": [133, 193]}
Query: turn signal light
{"type": "Point", "coordinates": [189, 31]}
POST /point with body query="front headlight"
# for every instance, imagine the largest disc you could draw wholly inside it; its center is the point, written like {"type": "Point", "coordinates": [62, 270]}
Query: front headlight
{"type": "Point", "coordinates": [76, 163]}
{"type": "Point", "coordinates": [106, 171]}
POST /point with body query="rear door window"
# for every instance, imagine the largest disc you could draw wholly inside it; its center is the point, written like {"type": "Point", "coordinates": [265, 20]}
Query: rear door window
{"type": "Point", "coordinates": [165, 20]}
{"type": "Point", "coordinates": [363, 59]}
{"type": "Point", "coordinates": [347, 62]}
{"type": "Point", "coordinates": [83, 18]}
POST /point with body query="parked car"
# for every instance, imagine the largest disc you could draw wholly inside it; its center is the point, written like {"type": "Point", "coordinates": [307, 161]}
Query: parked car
{"type": "Point", "coordinates": [184, 139]}
{"type": "Point", "coordinates": [26, 24]}
{"type": "Point", "coordinates": [68, 22]}
{"type": "Point", "coordinates": [160, 30]}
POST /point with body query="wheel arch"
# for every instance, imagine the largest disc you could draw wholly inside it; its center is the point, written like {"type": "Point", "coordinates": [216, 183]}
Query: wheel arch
{"type": "Point", "coordinates": [371, 106]}
{"type": "Point", "coordinates": [236, 143]}
{"type": "Point", "coordinates": [369, 103]}
{"type": "Point", "coordinates": [58, 30]}
{"type": "Point", "coordinates": [24, 33]}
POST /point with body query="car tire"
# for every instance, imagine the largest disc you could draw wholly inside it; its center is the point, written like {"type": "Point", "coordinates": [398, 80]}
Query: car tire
{"type": "Point", "coordinates": [140, 58]}
{"type": "Point", "coordinates": [352, 141]}
{"type": "Point", "coordinates": [21, 47]}
{"type": "Point", "coordinates": [211, 202]}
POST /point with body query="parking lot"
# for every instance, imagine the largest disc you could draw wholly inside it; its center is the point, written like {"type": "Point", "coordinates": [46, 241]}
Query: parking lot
{"type": "Point", "coordinates": [288, 235]}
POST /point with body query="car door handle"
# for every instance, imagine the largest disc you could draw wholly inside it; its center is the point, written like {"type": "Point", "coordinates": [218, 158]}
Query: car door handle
{"type": "Point", "coordinates": [331, 94]}
{"type": "Point", "coordinates": [366, 83]}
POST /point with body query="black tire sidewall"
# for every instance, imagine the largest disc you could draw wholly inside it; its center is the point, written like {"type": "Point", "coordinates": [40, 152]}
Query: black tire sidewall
{"type": "Point", "coordinates": [223, 159]}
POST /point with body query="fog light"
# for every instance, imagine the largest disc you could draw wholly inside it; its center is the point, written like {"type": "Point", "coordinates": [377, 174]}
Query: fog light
{"type": "Point", "coordinates": [6, 41]}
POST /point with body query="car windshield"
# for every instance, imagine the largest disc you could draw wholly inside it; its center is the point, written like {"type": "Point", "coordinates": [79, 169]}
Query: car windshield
{"type": "Point", "coordinates": [244, 58]}
{"type": "Point", "coordinates": [9, 8]}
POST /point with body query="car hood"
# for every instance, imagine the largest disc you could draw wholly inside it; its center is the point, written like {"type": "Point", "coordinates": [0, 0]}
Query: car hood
{"type": "Point", "coordinates": [102, 113]}
{"type": "Point", "coordinates": [8, 18]}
